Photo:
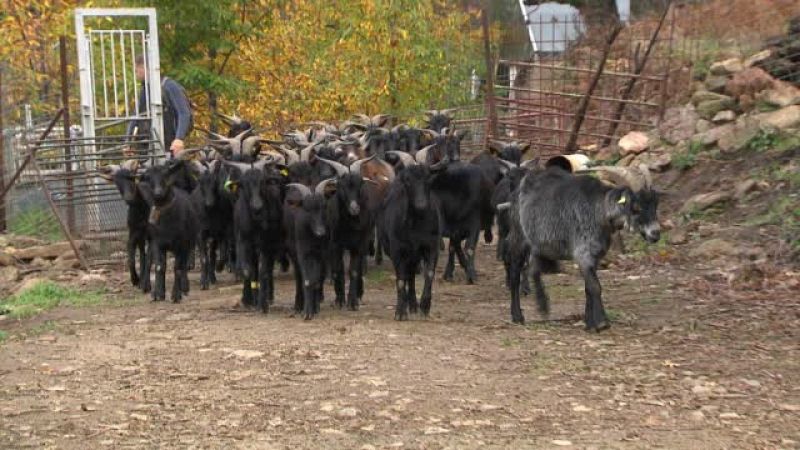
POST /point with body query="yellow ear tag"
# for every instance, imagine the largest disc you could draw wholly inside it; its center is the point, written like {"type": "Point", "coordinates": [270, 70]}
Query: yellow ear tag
{"type": "Point", "coordinates": [230, 186]}
{"type": "Point", "coordinates": [284, 172]}
{"type": "Point", "coordinates": [622, 200]}
{"type": "Point", "coordinates": [254, 285]}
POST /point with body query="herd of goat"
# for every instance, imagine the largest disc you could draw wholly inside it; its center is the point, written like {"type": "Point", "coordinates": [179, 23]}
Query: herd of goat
{"type": "Point", "coordinates": [366, 189]}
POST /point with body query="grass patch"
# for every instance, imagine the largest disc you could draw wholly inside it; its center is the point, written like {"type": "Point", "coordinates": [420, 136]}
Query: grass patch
{"type": "Point", "coordinates": [44, 296]}
{"type": "Point", "coordinates": [769, 140]}
{"type": "Point", "coordinates": [785, 214]}
{"type": "Point", "coordinates": [37, 222]}
{"type": "Point", "coordinates": [377, 275]}
{"type": "Point", "coordinates": [687, 158]}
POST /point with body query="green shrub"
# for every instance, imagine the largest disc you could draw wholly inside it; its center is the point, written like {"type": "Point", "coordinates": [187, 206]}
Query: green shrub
{"type": "Point", "coordinates": [36, 222]}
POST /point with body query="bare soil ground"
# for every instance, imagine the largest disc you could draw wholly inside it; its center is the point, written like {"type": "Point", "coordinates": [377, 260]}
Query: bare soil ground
{"type": "Point", "coordinates": [689, 363]}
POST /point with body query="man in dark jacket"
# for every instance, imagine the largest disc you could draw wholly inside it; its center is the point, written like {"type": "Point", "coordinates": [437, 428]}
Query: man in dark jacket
{"type": "Point", "coordinates": [176, 109]}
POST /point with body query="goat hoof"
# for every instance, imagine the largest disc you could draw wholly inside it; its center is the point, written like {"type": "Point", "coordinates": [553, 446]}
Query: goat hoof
{"type": "Point", "coordinates": [518, 320]}
{"type": "Point", "coordinates": [400, 316]}
{"type": "Point", "coordinates": [135, 281]}
{"type": "Point", "coordinates": [602, 326]}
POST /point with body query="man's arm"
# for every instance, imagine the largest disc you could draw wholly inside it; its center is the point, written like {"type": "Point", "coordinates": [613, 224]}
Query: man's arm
{"type": "Point", "coordinates": [182, 109]}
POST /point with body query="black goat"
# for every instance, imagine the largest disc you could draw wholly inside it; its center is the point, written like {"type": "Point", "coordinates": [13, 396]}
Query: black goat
{"type": "Point", "coordinates": [409, 229]}
{"type": "Point", "coordinates": [464, 197]}
{"type": "Point", "coordinates": [307, 238]}
{"type": "Point", "coordinates": [352, 225]}
{"type": "Point", "coordinates": [173, 226]}
{"type": "Point", "coordinates": [258, 225]}
{"type": "Point", "coordinates": [492, 162]}
{"type": "Point", "coordinates": [561, 216]}
{"type": "Point", "coordinates": [126, 180]}
{"type": "Point", "coordinates": [437, 120]}
{"type": "Point", "coordinates": [215, 214]}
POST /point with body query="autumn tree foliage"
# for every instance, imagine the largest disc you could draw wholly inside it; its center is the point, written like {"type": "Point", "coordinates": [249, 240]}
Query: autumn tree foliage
{"type": "Point", "coordinates": [278, 62]}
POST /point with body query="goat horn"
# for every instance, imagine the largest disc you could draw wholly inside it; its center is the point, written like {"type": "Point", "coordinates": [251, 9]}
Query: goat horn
{"type": "Point", "coordinates": [305, 153]}
{"type": "Point", "coordinates": [405, 159]}
{"type": "Point", "coordinates": [322, 185]}
{"type": "Point", "coordinates": [302, 188]}
{"type": "Point", "coordinates": [509, 165]}
{"type": "Point", "coordinates": [188, 153]}
{"type": "Point", "coordinates": [242, 167]}
{"type": "Point", "coordinates": [648, 179]}
{"type": "Point", "coordinates": [131, 165]}
{"type": "Point", "coordinates": [249, 145]}
{"type": "Point", "coordinates": [341, 169]}
{"type": "Point", "coordinates": [422, 155]}
{"type": "Point", "coordinates": [229, 120]}
{"type": "Point", "coordinates": [290, 155]}
{"type": "Point", "coordinates": [199, 167]}
{"type": "Point", "coordinates": [356, 166]}
{"type": "Point", "coordinates": [530, 164]}
{"type": "Point", "coordinates": [448, 112]}
{"type": "Point", "coordinates": [107, 172]}
{"type": "Point", "coordinates": [503, 206]}
{"type": "Point", "coordinates": [364, 118]}
{"type": "Point", "coordinates": [399, 128]}
{"type": "Point", "coordinates": [620, 176]}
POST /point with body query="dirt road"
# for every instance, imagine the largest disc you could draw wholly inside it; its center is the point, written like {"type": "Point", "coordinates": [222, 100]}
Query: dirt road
{"type": "Point", "coordinates": [682, 367]}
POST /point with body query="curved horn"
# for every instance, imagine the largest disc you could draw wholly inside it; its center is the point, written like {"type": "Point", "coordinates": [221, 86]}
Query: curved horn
{"type": "Point", "coordinates": [356, 166]}
{"type": "Point", "coordinates": [107, 172]}
{"type": "Point", "coordinates": [290, 155]}
{"type": "Point", "coordinates": [188, 153]}
{"type": "Point", "coordinates": [304, 190]}
{"type": "Point", "coordinates": [448, 112]}
{"type": "Point", "coordinates": [199, 167]}
{"type": "Point", "coordinates": [399, 128]}
{"type": "Point", "coordinates": [405, 159]}
{"type": "Point", "coordinates": [237, 165]}
{"type": "Point", "coordinates": [250, 144]}
{"type": "Point", "coordinates": [229, 120]}
{"type": "Point", "coordinates": [305, 153]}
{"type": "Point", "coordinates": [341, 169]}
{"type": "Point", "coordinates": [509, 165]}
{"type": "Point", "coordinates": [620, 176]}
{"type": "Point", "coordinates": [322, 185]}
{"type": "Point", "coordinates": [422, 155]}
{"type": "Point", "coordinates": [648, 179]}
{"type": "Point", "coordinates": [530, 164]}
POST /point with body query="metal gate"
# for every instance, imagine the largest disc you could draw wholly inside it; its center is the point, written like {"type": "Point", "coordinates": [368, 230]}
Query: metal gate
{"type": "Point", "coordinates": [107, 68]}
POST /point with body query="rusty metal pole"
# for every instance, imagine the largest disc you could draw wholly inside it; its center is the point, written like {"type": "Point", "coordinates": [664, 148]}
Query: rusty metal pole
{"type": "Point", "coordinates": [584, 104]}
{"type": "Point", "coordinates": [62, 45]}
{"type": "Point", "coordinates": [640, 65]}
{"type": "Point", "coordinates": [53, 207]}
{"type": "Point", "coordinates": [2, 154]}
{"type": "Point", "coordinates": [491, 124]}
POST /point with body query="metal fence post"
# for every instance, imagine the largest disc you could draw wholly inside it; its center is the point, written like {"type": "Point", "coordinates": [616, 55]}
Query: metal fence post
{"type": "Point", "coordinates": [491, 130]}
{"type": "Point", "coordinates": [62, 47]}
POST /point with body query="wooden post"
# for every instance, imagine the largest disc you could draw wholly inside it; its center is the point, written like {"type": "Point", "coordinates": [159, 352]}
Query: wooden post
{"type": "Point", "coordinates": [491, 124]}
{"type": "Point", "coordinates": [62, 44]}
{"type": "Point", "coordinates": [584, 104]}
{"type": "Point", "coordinates": [628, 89]}
{"type": "Point", "coordinates": [2, 155]}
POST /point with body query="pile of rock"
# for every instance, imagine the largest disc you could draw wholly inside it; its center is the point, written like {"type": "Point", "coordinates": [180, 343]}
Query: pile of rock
{"type": "Point", "coordinates": [23, 255]}
{"type": "Point", "coordinates": [732, 105]}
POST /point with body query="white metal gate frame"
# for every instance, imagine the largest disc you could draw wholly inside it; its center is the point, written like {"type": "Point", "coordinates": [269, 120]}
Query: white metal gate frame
{"type": "Point", "coordinates": [89, 113]}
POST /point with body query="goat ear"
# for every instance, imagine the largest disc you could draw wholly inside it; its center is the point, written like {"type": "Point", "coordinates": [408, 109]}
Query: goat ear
{"type": "Point", "coordinates": [524, 148]}
{"type": "Point", "coordinates": [461, 134]}
{"type": "Point", "coordinates": [495, 147]}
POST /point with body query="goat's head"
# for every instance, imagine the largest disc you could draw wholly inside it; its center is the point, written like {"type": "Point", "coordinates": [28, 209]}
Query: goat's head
{"type": "Point", "coordinates": [314, 206]}
{"type": "Point", "coordinates": [509, 151]}
{"type": "Point", "coordinates": [207, 181]}
{"type": "Point", "coordinates": [634, 201]}
{"type": "Point", "coordinates": [437, 120]}
{"type": "Point", "coordinates": [160, 180]}
{"type": "Point", "coordinates": [260, 185]}
{"type": "Point", "coordinates": [124, 177]}
{"type": "Point", "coordinates": [350, 184]}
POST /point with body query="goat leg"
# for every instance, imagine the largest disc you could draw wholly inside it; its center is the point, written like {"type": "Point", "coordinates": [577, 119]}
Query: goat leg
{"type": "Point", "coordinates": [463, 260]}
{"type": "Point", "coordinates": [337, 273]}
{"type": "Point", "coordinates": [356, 273]}
{"type": "Point", "coordinates": [212, 260]}
{"type": "Point", "coordinates": [144, 266]}
{"type": "Point", "coordinates": [132, 245]}
{"type": "Point", "coordinates": [595, 319]}
{"type": "Point", "coordinates": [450, 267]}
{"type": "Point", "coordinates": [204, 262]}
{"type": "Point", "coordinates": [160, 256]}
{"type": "Point", "coordinates": [176, 283]}
{"type": "Point", "coordinates": [263, 280]}
{"type": "Point", "coordinates": [542, 300]}
{"type": "Point", "coordinates": [429, 273]}
{"type": "Point", "coordinates": [413, 305]}
{"type": "Point", "coordinates": [401, 310]}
